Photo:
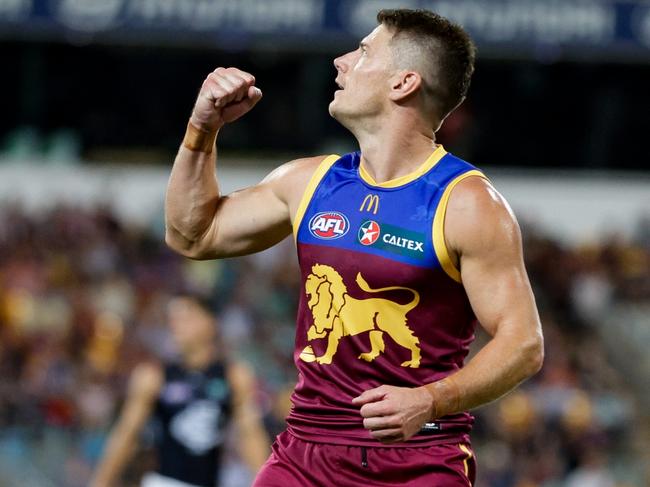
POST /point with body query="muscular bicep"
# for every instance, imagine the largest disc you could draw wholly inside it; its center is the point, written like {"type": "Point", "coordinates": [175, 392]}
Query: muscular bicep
{"type": "Point", "coordinates": [247, 221]}
{"type": "Point", "coordinates": [483, 232]}
{"type": "Point", "coordinates": [258, 217]}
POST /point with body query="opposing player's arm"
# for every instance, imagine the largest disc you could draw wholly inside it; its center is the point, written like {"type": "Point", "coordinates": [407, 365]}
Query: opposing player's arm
{"type": "Point", "coordinates": [483, 235]}
{"type": "Point", "coordinates": [253, 441]}
{"type": "Point", "coordinates": [202, 223]}
{"type": "Point", "coordinates": [482, 230]}
{"type": "Point", "coordinates": [144, 386]}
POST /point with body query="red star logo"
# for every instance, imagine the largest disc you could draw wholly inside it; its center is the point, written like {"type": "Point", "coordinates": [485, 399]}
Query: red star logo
{"type": "Point", "coordinates": [369, 233]}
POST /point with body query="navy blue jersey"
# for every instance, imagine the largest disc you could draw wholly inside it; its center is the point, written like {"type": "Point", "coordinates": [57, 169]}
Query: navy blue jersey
{"type": "Point", "coordinates": [192, 412]}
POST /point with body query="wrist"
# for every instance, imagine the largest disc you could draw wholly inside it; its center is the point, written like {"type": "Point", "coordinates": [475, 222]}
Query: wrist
{"type": "Point", "coordinates": [199, 139]}
{"type": "Point", "coordinates": [445, 397]}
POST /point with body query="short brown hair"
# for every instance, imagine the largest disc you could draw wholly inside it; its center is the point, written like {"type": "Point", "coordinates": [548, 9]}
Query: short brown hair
{"type": "Point", "coordinates": [444, 48]}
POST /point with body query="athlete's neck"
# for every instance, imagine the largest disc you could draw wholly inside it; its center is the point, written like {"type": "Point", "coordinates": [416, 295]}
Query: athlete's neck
{"type": "Point", "coordinates": [395, 148]}
{"type": "Point", "coordinates": [200, 357]}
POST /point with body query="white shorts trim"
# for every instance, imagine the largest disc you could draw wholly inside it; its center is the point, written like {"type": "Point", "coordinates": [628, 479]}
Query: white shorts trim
{"type": "Point", "coordinates": [153, 479]}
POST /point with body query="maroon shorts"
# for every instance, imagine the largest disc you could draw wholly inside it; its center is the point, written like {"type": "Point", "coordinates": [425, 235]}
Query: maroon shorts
{"type": "Point", "coordinates": [298, 463]}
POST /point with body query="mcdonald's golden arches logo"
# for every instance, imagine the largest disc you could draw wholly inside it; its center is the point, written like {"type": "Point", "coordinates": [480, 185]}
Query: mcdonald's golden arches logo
{"type": "Point", "coordinates": [370, 204]}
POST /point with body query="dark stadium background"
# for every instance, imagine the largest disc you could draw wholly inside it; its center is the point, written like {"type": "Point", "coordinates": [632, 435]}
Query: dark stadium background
{"type": "Point", "coordinates": [561, 98]}
{"type": "Point", "coordinates": [592, 114]}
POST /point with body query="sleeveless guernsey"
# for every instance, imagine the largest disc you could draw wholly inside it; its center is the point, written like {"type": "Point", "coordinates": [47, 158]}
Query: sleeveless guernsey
{"type": "Point", "coordinates": [381, 301]}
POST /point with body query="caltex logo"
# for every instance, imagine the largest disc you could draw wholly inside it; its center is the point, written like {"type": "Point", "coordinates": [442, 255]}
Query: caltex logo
{"type": "Point", "coordinates": [369, 232]}
{"type": "Point", "coordinates": [329, 225]}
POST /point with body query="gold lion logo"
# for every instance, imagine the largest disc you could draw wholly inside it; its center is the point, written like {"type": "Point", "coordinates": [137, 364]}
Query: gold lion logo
{"type": "Point", "coordinates": [337, 314]}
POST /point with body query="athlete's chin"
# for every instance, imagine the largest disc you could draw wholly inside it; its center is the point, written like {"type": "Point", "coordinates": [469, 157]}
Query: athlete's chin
{"type": "Point", "coordinates": [337, 113]}
{"type": "Point", "coordinates": [334, 113]}
{"type": "Point", "coordinates": [333, 108]}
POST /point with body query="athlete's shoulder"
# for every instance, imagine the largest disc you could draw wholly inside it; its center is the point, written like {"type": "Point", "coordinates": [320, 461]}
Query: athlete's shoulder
{"type": "Point", "coordinates": [476, 213]}
{"type": "Point", "coordinates": [147, 379]}
{"type": "Point", "coordinates": [289, 180]}
{"type": "Point", "coordinates": [475, 194]}
{"type": "Point", "coordinates": [453, 166]}
{"type": "Point", "coordinates": [294, 174]}
{"type": "Point", "coordinates": [296, 169]}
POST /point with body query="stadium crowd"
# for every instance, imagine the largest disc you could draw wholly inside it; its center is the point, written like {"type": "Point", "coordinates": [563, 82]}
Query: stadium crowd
{"type": "Point", "coordinates": [82, 300]}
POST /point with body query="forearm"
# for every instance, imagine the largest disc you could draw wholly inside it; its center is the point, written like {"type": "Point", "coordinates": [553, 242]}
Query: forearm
{"type": "Point", "coordinates": [119, 449]}
{"type": "Point", "coordinates": [496, 369]}
{"type": "Point", "coordinates": [192, 193]}
{"type": "Point", "coordinates": [254, 446]}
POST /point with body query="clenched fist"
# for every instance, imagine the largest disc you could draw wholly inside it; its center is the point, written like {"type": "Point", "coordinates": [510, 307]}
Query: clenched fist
{"type": "Point", "coordinates": [226, 95]}
{"type": "Point", "coordinates": [394, 414]}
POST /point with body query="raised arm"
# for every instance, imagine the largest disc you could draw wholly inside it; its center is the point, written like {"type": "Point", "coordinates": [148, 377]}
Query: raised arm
{"type": "Point", "coordinates": [144, 386]}
{"type": "Point", "coordinates": [482, 232]}
{"type": "Point", "coordinates": [200, 222]}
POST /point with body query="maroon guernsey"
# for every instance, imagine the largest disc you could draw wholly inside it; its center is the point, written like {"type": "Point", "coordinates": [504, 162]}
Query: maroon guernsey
{"type": "Point", "coordinates": [381, 301]}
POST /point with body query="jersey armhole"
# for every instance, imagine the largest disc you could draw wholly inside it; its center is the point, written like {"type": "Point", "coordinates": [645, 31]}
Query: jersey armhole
{"type": "Point", "coordinates": [316, 178]}
{"type": "Point", "coordinates": [439, 243]}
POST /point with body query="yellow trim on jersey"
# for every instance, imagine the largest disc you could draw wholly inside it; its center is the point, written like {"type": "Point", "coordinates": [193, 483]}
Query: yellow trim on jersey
{"type": "Point", "coordinates": [465, 449]}
{"type": "Point", "coordinates": [319, 173]}
{"type": "Point", "coordinates": [431, 161]}
{"type": "Point", "coordinates": [439, 244]}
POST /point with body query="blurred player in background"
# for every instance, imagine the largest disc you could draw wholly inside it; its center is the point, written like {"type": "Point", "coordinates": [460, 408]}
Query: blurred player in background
{"type": "Point", "coordinates": [193, 402]}
{"type": "Point", "coordinates": [402, 248]}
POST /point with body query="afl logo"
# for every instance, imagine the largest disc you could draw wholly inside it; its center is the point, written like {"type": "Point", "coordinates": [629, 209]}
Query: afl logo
{"type": "Point", "coordinates": [369, 232]}
{"type": "Point", "coordinates": [329, 225]}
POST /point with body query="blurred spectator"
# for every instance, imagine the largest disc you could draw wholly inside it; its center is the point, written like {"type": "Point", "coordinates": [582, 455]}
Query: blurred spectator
{"type": "Point", "coordinates": [82, 301]}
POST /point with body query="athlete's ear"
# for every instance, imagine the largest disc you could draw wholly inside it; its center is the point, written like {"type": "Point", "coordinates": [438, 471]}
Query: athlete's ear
{"type": "Point", "coordinates": [404, 84]}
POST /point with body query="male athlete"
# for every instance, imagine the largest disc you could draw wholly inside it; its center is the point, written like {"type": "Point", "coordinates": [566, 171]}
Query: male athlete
{"type": "Point", "coordinates": [402, 248]}
{"type": "Point", "coordinates": [192, 402]}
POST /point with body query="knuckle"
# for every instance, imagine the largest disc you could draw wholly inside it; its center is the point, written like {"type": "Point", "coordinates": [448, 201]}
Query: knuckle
{"type": "Point", "coordinates": [239, 83]}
